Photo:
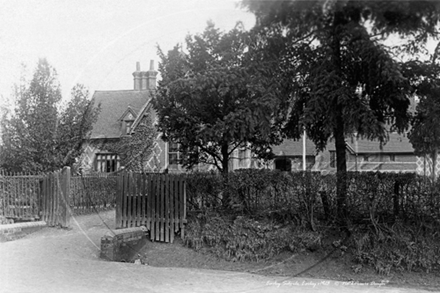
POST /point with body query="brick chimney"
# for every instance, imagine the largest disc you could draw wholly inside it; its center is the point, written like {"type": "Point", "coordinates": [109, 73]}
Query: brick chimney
{"type": "Point", "coordinates": [150, 77]}
{"type": "Point", "coordinates": [144, 80]}
{"type": "Point", "coordinates": [144, 85]}
{"type": "Point", "coordinates": [137, 77]}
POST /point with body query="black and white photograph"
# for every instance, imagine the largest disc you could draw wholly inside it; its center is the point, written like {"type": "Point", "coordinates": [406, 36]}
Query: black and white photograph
{"type": "Point", "coordinates": [219, 146]}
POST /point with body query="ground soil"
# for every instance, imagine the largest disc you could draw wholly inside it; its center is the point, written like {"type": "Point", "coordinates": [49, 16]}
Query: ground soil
{"type": "Point", "coordinates": [306, 264]}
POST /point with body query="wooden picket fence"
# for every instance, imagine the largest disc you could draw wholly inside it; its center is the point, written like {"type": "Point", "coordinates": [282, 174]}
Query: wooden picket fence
{"type": "Point", "coordinates": [19, 194]}
{"type": "Point", "coordinates": [156, 201]}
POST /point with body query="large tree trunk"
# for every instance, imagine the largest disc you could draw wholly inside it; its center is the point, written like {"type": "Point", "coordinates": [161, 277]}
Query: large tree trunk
{"type": "Point", "coordinates": [225, 159]}
{"type": "Point", "coordinates": [434, 164]}
{"type": "Point", "coordinates": [225, 170]}
{"type": "Point", "coordinates": [339, 131]}
{"type": "Point", "coordinates": [341, 171]}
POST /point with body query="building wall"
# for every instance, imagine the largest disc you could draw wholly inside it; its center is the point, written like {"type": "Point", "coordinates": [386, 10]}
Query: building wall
{"type": "Point", "coordinates": [156, 163]}
{"type": "Point", "coordinates": [368, 162]}
{"type": "Point", "coordinates": [424, 166]}
{"type": "Point", "coordinates": [243, 159]}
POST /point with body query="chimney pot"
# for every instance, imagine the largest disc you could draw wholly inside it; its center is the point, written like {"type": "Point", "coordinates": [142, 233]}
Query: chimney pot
{"type": "Point", "coordinates": [152, 65]}
{"type": "Point", "coordinates": [138, 66]}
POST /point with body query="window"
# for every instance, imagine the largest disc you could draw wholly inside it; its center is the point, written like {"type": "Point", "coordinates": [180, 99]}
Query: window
{"type": "Point", "coordinates": [242, 157]}
{"type": "Point", "coordinates": [283, 164]}
{"type": "Point", "coordinates": [128, 125]}
{"type": "Point", "coordinates": [332, 159]}
{"type": "Point", "coordinates": [107, 163]}
{"type": "Point", "coordinates": [174, 155]}
{"type": "Point", "coordinates": [392, 157]}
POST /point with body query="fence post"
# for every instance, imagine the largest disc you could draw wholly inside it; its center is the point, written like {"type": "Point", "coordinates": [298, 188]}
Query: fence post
{"type": "Point", "coordinates": [119, 197]}
{"type": "Point", "coordinates": [64, 204]}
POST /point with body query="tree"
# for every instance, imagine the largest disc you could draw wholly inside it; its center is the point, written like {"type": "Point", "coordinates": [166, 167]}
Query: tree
{"type": "Point", "coordinates": [31, 132]}
{"type": "Point", "coordinates": [338, 70]}
{"type": "Point", "coordinates": [38, 137]}
{"type": "Point", "coordinates": [135, 150]}
{"type": "Point", "coordinates": [74, 126]}
{"type": "Point", "coordinates": [210, 99]}
{"type": "Point", "coordinates": [425, 131]}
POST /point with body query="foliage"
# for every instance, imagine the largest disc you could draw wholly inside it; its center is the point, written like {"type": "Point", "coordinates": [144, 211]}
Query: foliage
{"type": "Point", "coordinates": [425, 131]}
{"type": "Point", "coordinates": [93, 192]}
{"type": "Point", "coordinates": [38, 137]}
{"type": "Point", "coordinates": [338, 71]}
{"type": "Point", "coordinates": [300, 197]}
{"type": "Point", "coordinates": [204, 191]}
{"type": "Point", "coordinates": [30, 133]}
{"type": "Point", "coordinates": [243, 238]}
{"type": "Point", "coordinates": [135, 149]}
{"type": "Point", "coordinates": [394, 219]}
{"type": "Point", "coordinates": [399, 247]}
{"type": "Point", "coordinates": [75, 125]}
{"type": "Point", "coordinates": [211, 100]}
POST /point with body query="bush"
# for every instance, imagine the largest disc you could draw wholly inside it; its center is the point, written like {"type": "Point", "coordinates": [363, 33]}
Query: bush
{"type": "Point", "coordinates": [394, 218]}
{"type": "Point", "coordinates": [399, 247]}
{"type": "Point", "coordinates": [246, 239]}
{"type": "Point", "coordinates": [93, 192]}
{"type": "Point", "coordinates": [204, 191]}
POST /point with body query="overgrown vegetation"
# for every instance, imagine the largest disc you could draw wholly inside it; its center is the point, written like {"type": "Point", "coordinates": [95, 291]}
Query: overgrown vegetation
{"type": "Point", "coordinates": [393, 219]}
{"type": "Point", "coordinates": [89, 194]}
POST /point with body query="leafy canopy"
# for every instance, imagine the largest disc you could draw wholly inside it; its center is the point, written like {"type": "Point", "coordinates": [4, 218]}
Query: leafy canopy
{"type": "Point", "coordinates": [75, 124]}
{"type": "Point", "coordinates": [335, 61]}
{"type": "Point", "coordinates": [339, 68]}
{"type": "Point", "coordinates": [39, 136]}
{"type": "Point", "coordinates": [425, 131]}
{"type": "Point", "coordinates": [211, 99]}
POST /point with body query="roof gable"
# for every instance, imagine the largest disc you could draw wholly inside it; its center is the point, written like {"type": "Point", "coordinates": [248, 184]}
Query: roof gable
{"type": "Point", "coordinates": [113, 105]}
{"type": "Point", "coordinates": [129, 114]}
{"type": "Point", "coordinates": [147, 110]}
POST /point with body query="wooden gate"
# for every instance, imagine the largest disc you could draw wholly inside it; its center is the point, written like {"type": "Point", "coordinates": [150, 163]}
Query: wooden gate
{"type": "Point", "coordinates": [54, 198]}
{"type": "Point", "coordinates": [156, 201]}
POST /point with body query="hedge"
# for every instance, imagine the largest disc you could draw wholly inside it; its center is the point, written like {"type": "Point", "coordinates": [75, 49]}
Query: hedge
{"type": "Point", "coordinates": [307, 196]}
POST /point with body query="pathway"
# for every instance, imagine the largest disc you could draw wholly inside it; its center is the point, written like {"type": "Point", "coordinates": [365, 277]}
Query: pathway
{"type": "Point", "coordinates": [57, 260]}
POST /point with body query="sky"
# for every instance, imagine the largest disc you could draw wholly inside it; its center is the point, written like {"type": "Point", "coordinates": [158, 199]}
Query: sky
{"type": "Point", "coordinates": [98, 42]}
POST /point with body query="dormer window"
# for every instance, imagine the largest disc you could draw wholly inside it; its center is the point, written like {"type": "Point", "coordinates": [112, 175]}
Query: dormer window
{"type": "Point", "coordinates": [128, 125]}
{"type": "Point", "coordinates": [127, 121]}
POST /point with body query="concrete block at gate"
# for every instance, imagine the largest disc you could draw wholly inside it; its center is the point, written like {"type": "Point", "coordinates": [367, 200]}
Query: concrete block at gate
{"type": "Point", "coordinates": [123, 244]}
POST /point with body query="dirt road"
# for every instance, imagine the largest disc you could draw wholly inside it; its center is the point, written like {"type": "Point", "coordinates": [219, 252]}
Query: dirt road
{"type": "Point", "coordinates": [57, 260]}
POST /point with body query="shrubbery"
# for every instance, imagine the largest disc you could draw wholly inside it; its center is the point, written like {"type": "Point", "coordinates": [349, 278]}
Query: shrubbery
{"type": "Point", "coordinates": [244, 238]}
{"type": "Point", "coordinates": [394, 218]}
{"type": "Point", "coordinates": [94, 192]}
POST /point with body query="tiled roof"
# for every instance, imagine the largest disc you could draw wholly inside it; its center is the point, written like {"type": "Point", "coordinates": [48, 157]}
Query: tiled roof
{"type": "Point", "coordinates": [290, 147]}
{"type": "Point", "coordinates": [113, 105]}
{"type": "Point", "coordinates": [397, 143]}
